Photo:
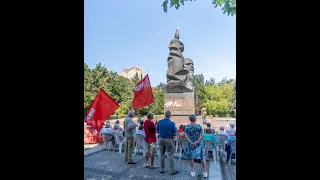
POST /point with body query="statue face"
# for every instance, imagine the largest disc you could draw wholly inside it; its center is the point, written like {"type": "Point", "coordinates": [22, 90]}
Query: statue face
{"type": "Point", "coordinates": [188, 64]}
{"type": "Point", "coordinates": [181, 47]}
{"type": "Point", "coordinates": [176, 44]}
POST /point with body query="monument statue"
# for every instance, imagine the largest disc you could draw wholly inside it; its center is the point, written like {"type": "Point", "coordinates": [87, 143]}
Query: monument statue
{"type": "Point", "coordinates": [180, 74]}
{"type": "Point", "coordinates": [180, 98]}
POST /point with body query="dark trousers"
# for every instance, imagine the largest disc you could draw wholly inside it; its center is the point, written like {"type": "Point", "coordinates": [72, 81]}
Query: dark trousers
{"type": "Point", "coordinates": [228, 150]}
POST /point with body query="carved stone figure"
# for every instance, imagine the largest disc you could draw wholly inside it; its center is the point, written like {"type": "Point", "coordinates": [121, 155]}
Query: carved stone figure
{"type": "Point", "coordinates": [188, 65]}
{"type": "Point", "coordinates": [180, 74]}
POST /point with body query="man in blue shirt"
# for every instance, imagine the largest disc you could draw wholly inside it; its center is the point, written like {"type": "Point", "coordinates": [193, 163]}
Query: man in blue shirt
{"type": "Point", "coordinates": [167, 129]}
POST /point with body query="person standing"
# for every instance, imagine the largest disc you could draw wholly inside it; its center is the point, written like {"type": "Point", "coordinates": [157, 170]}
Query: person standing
{"type": "Point", "coordinates": [204, 115]}
{"type": "Point", "coordinates": [230, 131]}
{"type": "Point", "coordinates": [129, 128]}
{"type": "Point", "coordinates": [195, 147]}
{"type": "Point", "coordinates": [150, 131]}
{"type": "Point", "coordinates": [167, 129]}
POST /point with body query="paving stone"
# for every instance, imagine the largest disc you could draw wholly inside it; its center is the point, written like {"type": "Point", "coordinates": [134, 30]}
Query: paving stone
{"type": "Point", "coordinates": [110, 165]}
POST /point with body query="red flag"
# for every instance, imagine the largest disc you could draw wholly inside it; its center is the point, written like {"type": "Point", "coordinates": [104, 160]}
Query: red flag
{"type": "Point", "coordinates": [100, 110]}
{"type": "Point", "coordinates": [142, 94]}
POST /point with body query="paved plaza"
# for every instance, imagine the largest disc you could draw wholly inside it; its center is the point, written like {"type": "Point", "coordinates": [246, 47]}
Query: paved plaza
{"type": "Point", "coordinates": [109, 165]}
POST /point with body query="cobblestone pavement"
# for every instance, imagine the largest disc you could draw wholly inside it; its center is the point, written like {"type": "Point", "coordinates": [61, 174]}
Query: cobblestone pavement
{"type": "Point", "coordinates": [108, 165]}
{"type": "Point", "coordinates": [228, 171]}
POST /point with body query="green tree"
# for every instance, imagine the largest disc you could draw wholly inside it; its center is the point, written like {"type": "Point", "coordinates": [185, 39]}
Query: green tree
{"type": "Point", "coordinates": [122, 93]}
{"type": "Point", "coordinates": [135, 79]}
{"type": "Point", "coordinates": [222, 82]}
{"type": "Point", "coordinates": [199, 88]}
{"type": "Point", "coordinates": [158, 105]}
{"type": "Point", "coordinates": [162, 87]}
{"type": "Point", "coordinates": [218, 108]}
{"type": "Point", "coordinates": [88, 94]}
{"type": "Point", "coordinates": [219, 99]}
{"type": "Point", "coordinates": [234, 98]}
{"type": "Point", "coordinates": [231, 82]}
{"type": "Point", "coordinates": [217, 93]}
{"type": "Point", "coordinates": [228, 6]}
{"type": "Point", "coordinates": [210, 82]}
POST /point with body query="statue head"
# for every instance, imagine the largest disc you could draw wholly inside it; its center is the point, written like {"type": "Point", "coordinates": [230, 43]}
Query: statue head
{"type": "Point", "coordinates": [176, 44]}
{"type": "Point", "coordinates": [188, 64]}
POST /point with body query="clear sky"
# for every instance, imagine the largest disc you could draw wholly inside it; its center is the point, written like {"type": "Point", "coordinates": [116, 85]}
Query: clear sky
{"type": "Point", "coordinates": [122, 34]}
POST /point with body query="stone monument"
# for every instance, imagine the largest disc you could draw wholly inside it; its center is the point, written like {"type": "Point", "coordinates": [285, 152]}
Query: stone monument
{"type": "Point", "coordinates": [180, 97]}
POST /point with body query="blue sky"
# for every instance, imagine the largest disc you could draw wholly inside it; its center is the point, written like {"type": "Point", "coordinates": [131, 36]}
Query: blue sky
{"type": "Point", "coordinates": [122, 34]}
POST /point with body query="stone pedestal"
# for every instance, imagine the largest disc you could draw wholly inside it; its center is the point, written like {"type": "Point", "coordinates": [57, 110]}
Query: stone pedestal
{"type": "Point", "coordinates": [181, 103]}
{"type": "Point", "coordinates": [181, 106]}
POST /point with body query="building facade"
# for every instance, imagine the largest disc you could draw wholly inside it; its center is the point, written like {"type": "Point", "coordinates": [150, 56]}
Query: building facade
{"type": "Point", "coordinates": [131, 72]}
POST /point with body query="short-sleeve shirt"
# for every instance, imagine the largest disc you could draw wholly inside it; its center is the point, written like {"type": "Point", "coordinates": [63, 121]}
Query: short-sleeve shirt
{"type": "Point", "coordinates": [166, 128]}
{"type": "Point", "coordinates": [222, 132]}
{"type": "Point", "coordinates": [150, 130]}
{"type": "Point", "coordinates": [180, 130]}
{"type": "Point", "coordinates": [230, 131]}
{"type": "Point", "coordinates": [193, 132]}
{"type": "Point", "coordinates": [211, 137]}
{"type": "Point", "coordinates": [231, 138]}
{"type": "Point", "coordinates": [127, 123]}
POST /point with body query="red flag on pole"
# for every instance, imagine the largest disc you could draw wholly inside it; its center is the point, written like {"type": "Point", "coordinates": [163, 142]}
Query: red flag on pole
{"type": "Point", "coordinates": [100, 110]}
{"type": "Point", "coordinates": [142, 94]}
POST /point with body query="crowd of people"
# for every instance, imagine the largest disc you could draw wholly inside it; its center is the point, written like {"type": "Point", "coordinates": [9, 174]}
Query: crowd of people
{"type": "Point", "coordinates": [163, 132]}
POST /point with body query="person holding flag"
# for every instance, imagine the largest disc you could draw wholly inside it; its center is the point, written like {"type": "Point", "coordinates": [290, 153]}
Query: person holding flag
{"type": "Point", "coordinates": [142, 97]}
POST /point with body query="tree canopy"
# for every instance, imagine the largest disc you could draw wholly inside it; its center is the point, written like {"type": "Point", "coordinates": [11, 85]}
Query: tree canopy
{"type": "Point", "coordinates": [219, 98]}
{"type": "Point", "coordinates": [228, 6]}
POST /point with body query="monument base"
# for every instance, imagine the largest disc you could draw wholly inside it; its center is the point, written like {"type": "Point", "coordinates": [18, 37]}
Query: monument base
{"type": "Point", "coordinates": [181, 106]}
